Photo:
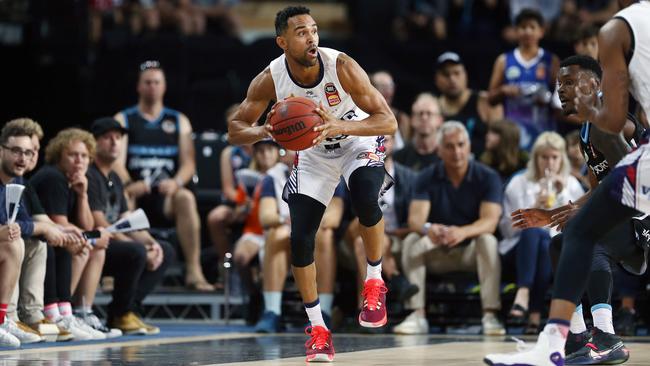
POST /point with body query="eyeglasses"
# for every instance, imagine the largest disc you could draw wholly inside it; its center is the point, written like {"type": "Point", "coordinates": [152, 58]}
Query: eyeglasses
{"type": "Point", "coordinates": [426, 113]}
{"type": "Point", "coordinates": [150, 64]}
{"type": "Point", "coordinates": [18, 152]}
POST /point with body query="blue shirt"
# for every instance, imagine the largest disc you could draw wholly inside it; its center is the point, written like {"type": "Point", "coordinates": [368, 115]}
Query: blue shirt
{"type": "Point", "coordinates": [23, 219]}
{"type": "Point", "coordinates": [457, 206]}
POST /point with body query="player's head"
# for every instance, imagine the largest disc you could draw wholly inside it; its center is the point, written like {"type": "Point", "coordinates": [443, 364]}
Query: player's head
{"type": "Point", "coordinates": [266, 153]}
{"type": "Point", "coordinates": [71, 150]}
{"type": "Point", "coordinates": [425, 115]}
{"type": "Point", "coordinates": [297, 34]}
{"type": "Point", "coordinates": [108, 134]}
{"type": "Point", "coordinates": [451, 76]}
{"type": "Point", "coordinates": [151, 82]}
{"type": "Point", "coordinates": [576, 71]}
{"type": "Point", "coordinates": [17, 151]}
{"type": "Point", "coordinates": [586, 42]}
{"type": "Point", "coordinates": [384, 83]}
{"type": "Point", "coordinates": [625, 3]}
{"type": "Point", "coordinates": [548, 155]}
{"type": "Point", "coordinates": [530, 27]}
{"type": "Point", "coordinates": [453, 145]}
{"type": "Point", "coordinates": [36, 132]}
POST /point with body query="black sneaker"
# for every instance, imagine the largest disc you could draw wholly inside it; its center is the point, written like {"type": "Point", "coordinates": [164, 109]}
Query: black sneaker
{"type": "Point", "coordinates": [604, 349]}
{"type": "Point", "coordinates": [575, 342]}
{"type": "Point", "coordinates": [625, 323]}
{"type": "Point", "coordinates": [400, 288]}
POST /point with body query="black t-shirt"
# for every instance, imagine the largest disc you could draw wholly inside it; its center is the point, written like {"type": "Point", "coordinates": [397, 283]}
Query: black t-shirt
{"type": "Point", "coordinates": [411, 158]}
{"type": "Point", "coordinates": [53, 190]}
{"type": "Point", "coordinates": [31, 201]}
{"type": "Point", "coordinates": [106, 194]}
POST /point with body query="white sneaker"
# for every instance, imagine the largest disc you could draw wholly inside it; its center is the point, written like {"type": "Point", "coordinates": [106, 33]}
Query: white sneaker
{"type": "Point", "coordinates": [540, 355]}
{"type": "Point", "coordinates": [413, 324]}
{"type": "Point", "coordinates": [69, 324]}
{"type": "Point", "coordinates": [24, 337]}
{"type": "Point", "coordinates": [492, 325]}
{"type": "Point", "coordinates": [7, 339]}
{"type": "Point", "coordinates": [93, 321]}
{"type": "Point", "coordinates": [95, 334]}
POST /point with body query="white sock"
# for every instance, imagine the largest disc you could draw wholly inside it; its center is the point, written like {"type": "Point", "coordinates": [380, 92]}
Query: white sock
{"type": "Point", "coordinates": [52, 312]}
{"type": "Point", "coordinates": [602, 314]}
{"type": "Point", "coordinates": [373, 272]}
{"type": "Point", "coordinates": [273, 302]}
{"type": "Point", "coordinates": [326, 301]}
{"type": "Point", "coordinates": [557, 334]}
{"type": "Point", "coordinates": [578, 321]}
{"type": "Point", "coordinates": [315, 315]}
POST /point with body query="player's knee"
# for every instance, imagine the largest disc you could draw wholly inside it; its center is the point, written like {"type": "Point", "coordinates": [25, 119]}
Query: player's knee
{"type": "Point", "coordinates": [365, 184]}
{"type": "Point", "coordinates": [302, 247]}
{"type": "Point", "coordinates": [306, 214]}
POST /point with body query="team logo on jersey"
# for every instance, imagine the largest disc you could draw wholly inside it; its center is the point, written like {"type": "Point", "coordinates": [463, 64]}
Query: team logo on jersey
{"type": "Point", "coordinates": [369, 156]}
{"type": "Point", "coordinates": [513, 72]}
{"type": "Point", "coordinates": [540, 72]}
{"type": "Point", "coordinates": [168, 126]}
{"type": "Point", "coordinates": [332, 94]}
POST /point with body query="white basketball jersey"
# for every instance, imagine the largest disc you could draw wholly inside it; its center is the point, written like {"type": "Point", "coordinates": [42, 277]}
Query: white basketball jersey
{"type": "Point", "coordinates": [326, 91]}
{"type": "Point", "coordinates": [637, 17]}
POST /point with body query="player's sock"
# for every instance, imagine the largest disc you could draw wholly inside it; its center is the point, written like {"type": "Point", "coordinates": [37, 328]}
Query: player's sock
{"type": "Point", "coordinates": [273, 302]}
{"type": "Point", "coordinates": [314, 314]}
{"type": "Point", "coordinates": [3, 312]}
{"type": "Point", "coordinates": [602, 314]}
{"type": "Point", "coordinates": [373, 270]}
{"type": "Point", "coordinates": [578, 321]}
{"type": "Point", "coordinates": [326, 301]}
{"type": "Point", "coordinates": [557, 331]}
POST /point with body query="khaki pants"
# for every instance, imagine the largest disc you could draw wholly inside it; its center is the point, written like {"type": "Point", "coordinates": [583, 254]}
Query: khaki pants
{"type": "Point", "coordinates": [481, 255]}
{"type": "Point", "coordinates": [28, 294]}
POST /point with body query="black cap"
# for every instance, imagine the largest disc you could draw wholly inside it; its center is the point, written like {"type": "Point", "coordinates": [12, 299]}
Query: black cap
{"type": "Point", "coordinates": [448, 58]}
{"type": "Point", "coordinates": [102, 125]}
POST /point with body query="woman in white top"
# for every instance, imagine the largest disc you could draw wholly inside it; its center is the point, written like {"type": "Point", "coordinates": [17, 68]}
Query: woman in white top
{"type": "Point", "coordinates": [546, 183]}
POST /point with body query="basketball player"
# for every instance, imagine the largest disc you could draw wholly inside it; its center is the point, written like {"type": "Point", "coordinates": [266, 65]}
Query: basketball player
{"type": "Point", "coordinates": [624, 50]}
{"type": "Point", "coordinates": [355, 116]}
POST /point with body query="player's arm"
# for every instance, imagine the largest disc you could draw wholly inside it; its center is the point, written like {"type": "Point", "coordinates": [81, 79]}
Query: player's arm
{"type": "Point", "coordinates": [355, 82]}
{"type": "Point", "coordinates": [186, 153]}
{"type": "Point", "coordinates": [613, 147]}
{"type": "Point", "coordinates": [495, 91]}
{"type": "Point", "coordinates": [242, 129]}
{"type": "Point", "coordinates": [120, 164]}
{"type": "Point", "coordinates": [613, 42]}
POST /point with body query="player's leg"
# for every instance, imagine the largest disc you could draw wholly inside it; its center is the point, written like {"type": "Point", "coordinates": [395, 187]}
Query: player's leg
{"type": "Point", "coordinates": [274, 268]}
{"type": "Point", "coordinates": [325, 259]}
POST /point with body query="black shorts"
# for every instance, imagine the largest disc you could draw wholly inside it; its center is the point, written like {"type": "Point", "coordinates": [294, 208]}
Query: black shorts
{"type": "Point", "coordinates": [153, 205]}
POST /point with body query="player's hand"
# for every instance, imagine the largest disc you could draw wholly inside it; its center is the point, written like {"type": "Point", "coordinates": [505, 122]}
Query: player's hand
{"type": "Point", "coordinates": [530, 217]}
{"type": "Point", "coordinates": [331, 126]}
{"type": "Point", "coordinates": [168, 187]}
{"type": "Point", "coordinates": [560, 219]}
{"type": "Point", "coordinates": [510, 90]}
{"type": "Point", "coordinates": [138, 189]}
{"type": "Point", "coordinates": [587, 101]}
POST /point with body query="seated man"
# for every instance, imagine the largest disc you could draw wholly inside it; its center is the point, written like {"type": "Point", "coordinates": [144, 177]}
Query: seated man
{"type": "Point", "coordinates": [456, 208]}
{"type": "Point", "coordinates": [274, 217]}
{"type": "Point", "coordinates": [136, 260]}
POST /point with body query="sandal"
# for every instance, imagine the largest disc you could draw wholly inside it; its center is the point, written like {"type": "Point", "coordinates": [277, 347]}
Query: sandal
{"type": "Point", "coordinates": [521, 318]}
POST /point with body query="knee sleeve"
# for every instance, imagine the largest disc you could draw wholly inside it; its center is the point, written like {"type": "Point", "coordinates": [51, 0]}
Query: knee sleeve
{"type": "Point", "coordinates": [365, 184]}
{"type": "Point", "coordinates": [306, 214]}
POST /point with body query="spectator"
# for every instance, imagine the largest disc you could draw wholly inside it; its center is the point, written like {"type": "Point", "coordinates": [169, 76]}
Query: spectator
{"type": "Point", "coordinates": [455, 210]}
{"type": "Point", "coordinates": [576, 160]}
{"type": "Point", "coordinates": [394, 205]}
{"type": "Point", "coordinates": [384, 83]}
{"type": "Point", "coordinates": [274, 217]}
{"type": "Point", "coordinates": [156, 163]}
{"type": "Point", "coordinates": [422, 19]}
{"type": "Point", "coordinates": [546, 183]}
{"type": "Point", "coordinates": [136, 260]}
{"type": "Point", "coordinates": [459, 103]}
{"type": "Point", "coordinates": [523, 80]}
{"type": "Point", "coordinates": [61, 187]}
{"type": "Point", "coordinates": [420, 152]}
{"type": "Point", "coordinates": [502, 152]}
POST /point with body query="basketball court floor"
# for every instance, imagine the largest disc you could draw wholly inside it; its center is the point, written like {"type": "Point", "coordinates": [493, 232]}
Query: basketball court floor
{"type": "Point", "coordinates": [212, 345]}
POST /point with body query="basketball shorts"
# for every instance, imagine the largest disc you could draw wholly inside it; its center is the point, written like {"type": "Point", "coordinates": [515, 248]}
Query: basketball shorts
{"type": "Point", "coordinates": [318, 170]}
{"type": "Point", "coordinates": [631, 179]}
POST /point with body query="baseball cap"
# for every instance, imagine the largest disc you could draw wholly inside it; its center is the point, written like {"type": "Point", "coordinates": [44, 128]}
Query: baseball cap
{"type": "Point", "coordinates": [448, 58]}
{"type": "Point", "coordinates": [102, 125]}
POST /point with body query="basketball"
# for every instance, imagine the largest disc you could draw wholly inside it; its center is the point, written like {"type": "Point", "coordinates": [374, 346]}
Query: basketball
{"type": "Point", "coordinates": [293, 123]}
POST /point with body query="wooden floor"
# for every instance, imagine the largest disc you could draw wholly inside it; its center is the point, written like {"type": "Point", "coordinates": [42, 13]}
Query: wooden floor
{"type": "Point", "coordinates": [215, 347]}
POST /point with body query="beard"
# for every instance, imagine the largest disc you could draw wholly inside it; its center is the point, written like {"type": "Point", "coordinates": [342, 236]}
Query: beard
{"type": "Point", "coordinates": [8, 170]}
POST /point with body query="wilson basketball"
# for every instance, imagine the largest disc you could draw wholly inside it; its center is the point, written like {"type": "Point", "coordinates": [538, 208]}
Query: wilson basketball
{"type": "Point", "coordinates": [293, 123]}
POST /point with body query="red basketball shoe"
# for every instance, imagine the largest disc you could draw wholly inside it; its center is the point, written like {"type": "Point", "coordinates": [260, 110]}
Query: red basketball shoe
{"type": "Point", "coordinates": [373, 314]}
{"type": "Point", "coordinates": [319, 347]}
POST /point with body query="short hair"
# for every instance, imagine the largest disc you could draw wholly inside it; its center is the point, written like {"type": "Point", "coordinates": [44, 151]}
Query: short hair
{"type": "Point", "coordinates": [547, 140]}
{"type": "Point", "coordinates": [63, 139]}
{"type": "Point", "coordinates": [282, 17]}
{"type": "Point", "coordinates": [529, 14]}
{"type": "Point", "coordinates": [585, 32]}
{"type": "Point", "coordinates": [20, 127]}
{"type": "Point", "coordinates": [585, 63]}
{"type": "Point", "coordinates": [572, 138]}
{"type": "Point", "coordinates": [449, 127]}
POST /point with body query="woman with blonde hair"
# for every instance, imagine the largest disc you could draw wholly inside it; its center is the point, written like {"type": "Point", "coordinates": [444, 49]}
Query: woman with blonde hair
{"type": "Point", "coordinates": [546, 183]}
